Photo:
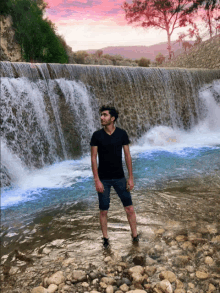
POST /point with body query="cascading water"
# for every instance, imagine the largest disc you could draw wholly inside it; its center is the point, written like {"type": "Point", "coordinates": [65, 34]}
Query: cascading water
{"type": "Point", "coordinates": [50, 111]}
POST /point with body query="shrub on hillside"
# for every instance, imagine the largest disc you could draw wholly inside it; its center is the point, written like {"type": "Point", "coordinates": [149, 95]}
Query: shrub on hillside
{"type": "Point", "coordinates": [91, 59]}
{"type": "Point", "coordinates": [80, 57]}
{"type": "Point", "coordinates": [99, 53]}
{"type": "Point", "coordinates": [143, 62]}
{"type": "Point", "coordinates": [160, 58]}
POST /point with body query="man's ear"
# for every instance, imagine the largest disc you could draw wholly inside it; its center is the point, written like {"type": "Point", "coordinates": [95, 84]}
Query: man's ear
{"type": "Point", "coordinates": [113, 118]}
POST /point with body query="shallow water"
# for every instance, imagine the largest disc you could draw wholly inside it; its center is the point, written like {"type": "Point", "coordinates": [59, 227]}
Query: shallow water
{"type": "Point", "coordinates": [179, 184]}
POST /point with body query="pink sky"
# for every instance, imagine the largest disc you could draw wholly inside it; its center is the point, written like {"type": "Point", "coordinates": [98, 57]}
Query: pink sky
{"type": "Point", "coordinates": [95, 10]}
{"type": "Point", "coordinates": [95, 24]}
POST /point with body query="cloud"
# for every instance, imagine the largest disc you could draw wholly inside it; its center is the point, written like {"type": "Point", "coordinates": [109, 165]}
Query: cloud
{"type": "Point", "coordinates": [83, 9]}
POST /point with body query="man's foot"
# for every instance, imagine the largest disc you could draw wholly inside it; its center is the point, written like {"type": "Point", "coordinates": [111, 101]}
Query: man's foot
{"type": "Point", "coordinates": [105, 242]}
{"type": "Point", "coordinates": [135, 239]}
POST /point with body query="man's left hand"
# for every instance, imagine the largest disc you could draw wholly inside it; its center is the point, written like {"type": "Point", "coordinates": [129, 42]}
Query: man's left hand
{"type": "Point", "coordinates": [130, 184]}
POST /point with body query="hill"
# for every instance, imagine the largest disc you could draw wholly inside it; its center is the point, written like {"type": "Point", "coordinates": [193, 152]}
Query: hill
{"type": "Point", "coordinates": [136, 52]}
{"type": "Point", "coordinates": [204, 55]}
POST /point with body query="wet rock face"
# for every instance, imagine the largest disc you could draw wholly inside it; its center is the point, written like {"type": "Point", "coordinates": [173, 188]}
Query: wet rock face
{"type": "Point", "coordinates": [9, 49]}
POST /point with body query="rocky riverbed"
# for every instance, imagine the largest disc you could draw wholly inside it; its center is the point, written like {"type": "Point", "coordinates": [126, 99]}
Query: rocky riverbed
{"type": "Point", "coordinates": [167, 259]}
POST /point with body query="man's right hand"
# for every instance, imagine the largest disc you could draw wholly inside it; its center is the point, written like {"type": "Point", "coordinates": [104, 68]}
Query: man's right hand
{"type": "Point", "coordinates": [99, 186]}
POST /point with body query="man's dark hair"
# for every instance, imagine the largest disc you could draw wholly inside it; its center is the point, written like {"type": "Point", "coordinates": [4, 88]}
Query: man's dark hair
{"type": "Point", "coordinates": [112, 111]}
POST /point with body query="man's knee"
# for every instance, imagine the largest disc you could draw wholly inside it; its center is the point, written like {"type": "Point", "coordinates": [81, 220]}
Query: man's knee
{"type": "Point", "coordinates": [129, 210]}
{"type": "Point", "coordinates": [103, 213]}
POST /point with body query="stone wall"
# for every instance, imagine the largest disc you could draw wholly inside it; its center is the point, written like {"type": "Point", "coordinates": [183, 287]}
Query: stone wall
{"type": "Point", "coordinates": [9, 49]}
{"type": "Point", "coordinates": [204, 55]}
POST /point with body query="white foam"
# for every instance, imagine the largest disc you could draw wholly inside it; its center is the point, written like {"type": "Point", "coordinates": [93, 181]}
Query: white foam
{"type": "Point", "coordinates": [15, 167]}
{"type": "Point", "coordinates": [205, 133]}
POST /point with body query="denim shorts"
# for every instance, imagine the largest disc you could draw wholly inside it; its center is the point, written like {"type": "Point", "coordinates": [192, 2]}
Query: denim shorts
{"type": "Point", "coordinates": [120, 187]}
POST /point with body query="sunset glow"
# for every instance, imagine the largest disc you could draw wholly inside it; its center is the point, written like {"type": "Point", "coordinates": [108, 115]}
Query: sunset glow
{"type": "Point", "coordinates": [95, 24]}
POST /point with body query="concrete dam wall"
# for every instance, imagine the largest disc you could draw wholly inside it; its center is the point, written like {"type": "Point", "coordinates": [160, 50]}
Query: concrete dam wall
{"type": "Point", "coordinates": [49, 111]}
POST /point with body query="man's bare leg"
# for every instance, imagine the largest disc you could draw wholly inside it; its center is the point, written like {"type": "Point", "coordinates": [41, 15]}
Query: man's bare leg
{"type": "Point", "coordinates": [103, 223]}
{"type": "Point", "coordinates": [132, 220]}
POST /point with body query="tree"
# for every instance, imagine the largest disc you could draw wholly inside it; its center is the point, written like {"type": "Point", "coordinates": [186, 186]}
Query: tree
{"type": "Point", "coordinates": [160, 58]}
{"type": "Point", "coordinates": [99, 53]}
{"type": "Point", "coordinates": [80, 56]}
{"type": "Point", "coordinates": [143, 62]}
{"type": "Point", "coordinates": [162, 14]}
{"type": "Point", "coordinates": [186, 45]}
{"type": "Point", "coordinates": [208, 11]}
{"type": "Point", "coordinates": [35, 34]}
{"type": "Point", "coordinates": [208, 17]}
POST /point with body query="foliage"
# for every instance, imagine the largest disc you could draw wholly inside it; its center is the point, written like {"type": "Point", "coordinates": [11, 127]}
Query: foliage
{"type": "Point", "coordinates": [162, 14]}
{"type": "Point", "coordinates": [4, 7]}
{"type": "Point", "coordinates": [209, 12]}
{"type": "Point", "coordinates": [210, 18]}
{"type": "Point", "coordinates": [206, 4]}
{"type": "Point", "coordinates": [160, 58]}
{"type": "Point", "coordinates": [99, 53]}
{"type": "Point", "coordinates": [144, 62]}
{"type": "Point", "coordinates": [80, 56]}
{"type": "Point", "coordinates": [35, 34]}
{"type": "Point", "coordinates": [186, 45]}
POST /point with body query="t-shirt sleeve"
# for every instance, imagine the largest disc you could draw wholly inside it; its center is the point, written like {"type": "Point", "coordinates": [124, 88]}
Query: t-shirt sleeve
{"type": "Point", "coordinates": [94, 140]}
{"type": "Point", "coordinates": [125, 139]}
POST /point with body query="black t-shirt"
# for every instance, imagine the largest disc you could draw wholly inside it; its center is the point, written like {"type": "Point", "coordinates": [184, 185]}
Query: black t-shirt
{"type": "Point", "coordinates": [110, 152]}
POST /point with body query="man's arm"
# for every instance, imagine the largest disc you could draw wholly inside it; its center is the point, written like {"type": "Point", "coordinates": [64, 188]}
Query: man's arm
{"type": "Point", "coordinates": [129, 166]}
{"type": "Point", "coordinates": [98, 184]}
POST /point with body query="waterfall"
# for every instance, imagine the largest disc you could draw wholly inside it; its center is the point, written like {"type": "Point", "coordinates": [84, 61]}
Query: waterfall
{"type": "Point", "coordinates": [49, 111]}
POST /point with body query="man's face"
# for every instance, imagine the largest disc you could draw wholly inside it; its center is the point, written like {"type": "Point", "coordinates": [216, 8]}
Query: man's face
{"type": "Point", "coordinates": [106, 118]}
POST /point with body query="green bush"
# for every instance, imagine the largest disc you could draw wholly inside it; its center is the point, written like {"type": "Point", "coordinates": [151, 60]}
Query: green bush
{"type": "Point", "coordinates": [4, 7]}
{"type": "Point", "coordinates": [143, 62]}
{"type": "Point", "coordinates": [35, 34]}
{"type": "Point", "coordinates": [80, 57]}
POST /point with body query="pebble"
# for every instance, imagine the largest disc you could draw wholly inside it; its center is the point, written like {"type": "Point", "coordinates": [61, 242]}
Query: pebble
{"type": "Point", "coordinates": [212, 288]}
{"type": "Point", "coordinates": [202, 275]}
{"type": "Point", "coordinates": [170, 276]}
{"type": "Point", "coordinates": [165, 286]}
{"type": "Point", "coordinates": [56, 278]}
{"type": "Point", "coordinates": [191, 285]}
{"type": "Point", "coordinates": [216, 239]}
{"type": "Point", "coordinates": [179, 284]}
{"type": "Point", "coordinates": [39, 289]}
{"type": "Point", "coordinates": [150, 271]}
{"type": "Point", "coordinates": [108, 258]}
{"type": "Point", "coordinates": [197, 270]}
{"type": "Point", "coordinates": [109, 289]}
{"type": "Point", "coordinates": [124, 288]}
{"type": "Point", "coordinates": [136, 270]}
{"type": "Point", "coordinates": [181, 238]}
{"type": "Point", "coordinates": [209, 260]}
{"type": "Point", "coordinates": [52, 288]}
{"type": "Point", "coordinates": [160, 231]}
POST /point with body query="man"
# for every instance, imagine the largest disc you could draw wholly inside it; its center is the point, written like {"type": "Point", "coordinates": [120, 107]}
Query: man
{"type": "Point", "coordinates": [107, 143]}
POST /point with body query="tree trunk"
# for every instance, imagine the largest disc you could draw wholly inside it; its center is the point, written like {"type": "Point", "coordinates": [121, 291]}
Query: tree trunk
{"type": "Point", "coordinates": [169, 44]}
{"type": "Point", "coordinates": [209, 23]}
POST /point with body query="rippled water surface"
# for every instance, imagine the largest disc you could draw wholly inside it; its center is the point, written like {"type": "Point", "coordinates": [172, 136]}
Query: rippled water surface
{"type": "Point", "coordinates": [171, 183]}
